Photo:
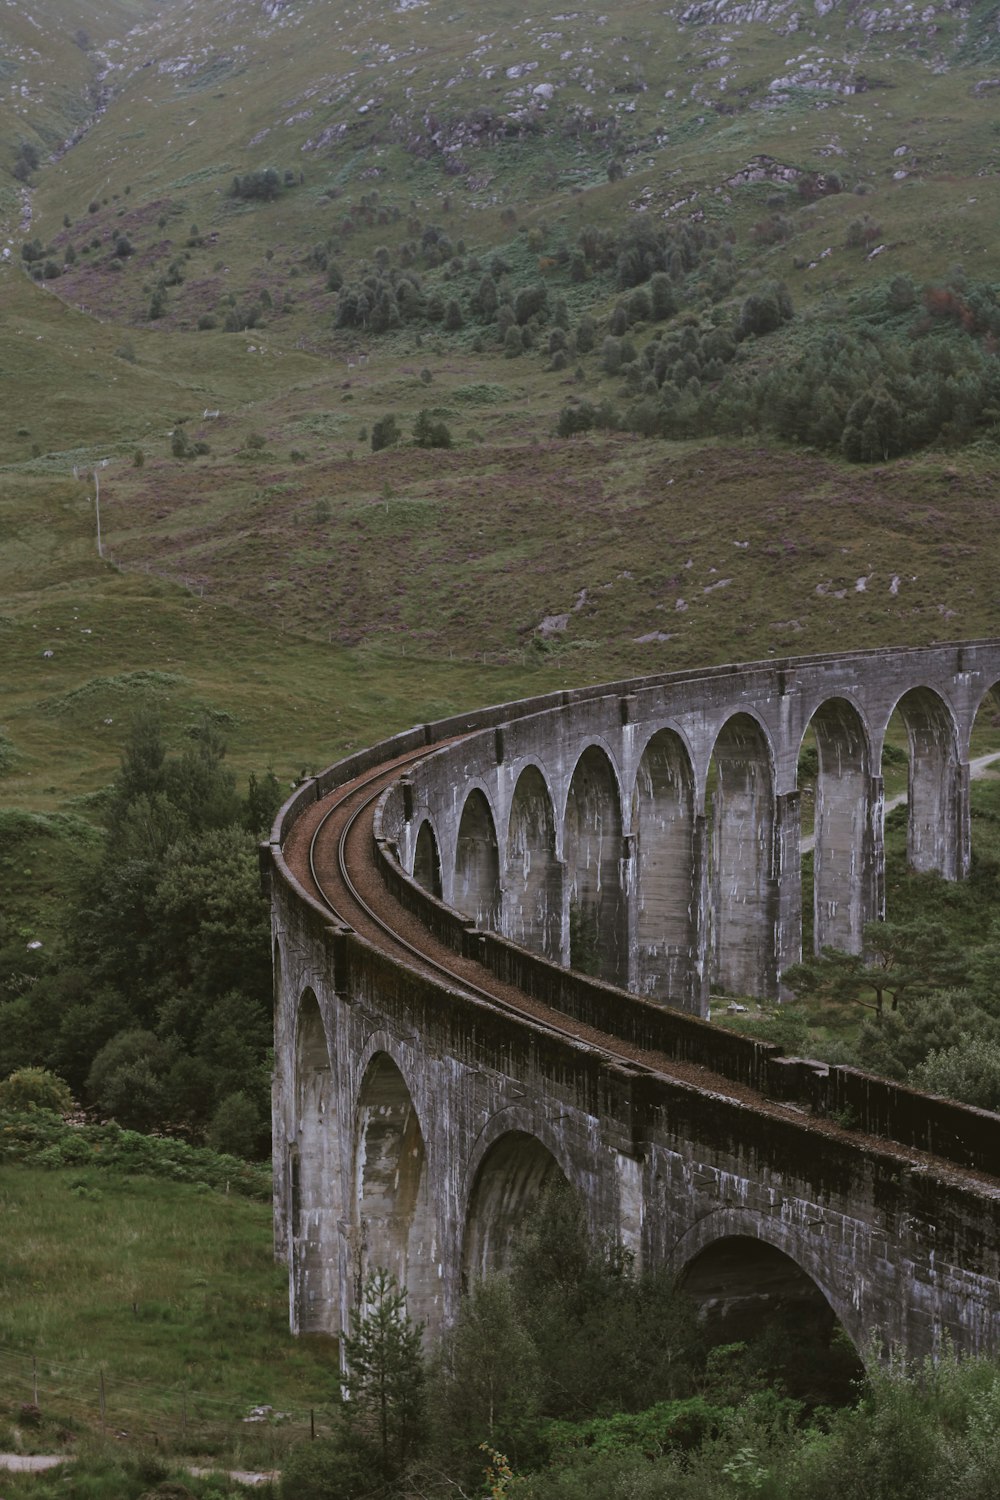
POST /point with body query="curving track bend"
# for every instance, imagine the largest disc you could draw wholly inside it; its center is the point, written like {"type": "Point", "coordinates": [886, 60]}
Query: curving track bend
{"type": "Point", "coordinates": [331, 852]}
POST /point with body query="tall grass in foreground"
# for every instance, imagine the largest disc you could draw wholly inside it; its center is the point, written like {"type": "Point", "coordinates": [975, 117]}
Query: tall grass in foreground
{"type": "Point", "coordinates": [152, 1309]}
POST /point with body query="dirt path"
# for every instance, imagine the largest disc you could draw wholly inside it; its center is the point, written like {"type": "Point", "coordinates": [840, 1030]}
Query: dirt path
{"type": "Point", "coordinates": [37, 1463]}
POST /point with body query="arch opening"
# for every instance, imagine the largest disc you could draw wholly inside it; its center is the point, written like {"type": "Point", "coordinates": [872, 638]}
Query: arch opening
{"type": "Point", "coordinates": [427, 860]}
{"type": "Point", "coordinates": [595, 857]}
{"type": "Point", "coordinates": [512, 1180]}
{"type": "Point", "coordinates": [394, 1221]}
{"type": "Point", "coordinates": [477, 863]}
{"type": "Point", "coordinates": [314, 1179]}
{"type": "Point", "coordinates": [743, 893]}
{"type": "Point", "coordinates": [532, 908]}
{"type": "Point", "coordinates": [667, 879]}
{"type": "Point", "coordinates": [936, 791]}
{"type": "Point", "coordinates": [837, 767]}
{"type": "Point", "coordinates": [749, 1292]}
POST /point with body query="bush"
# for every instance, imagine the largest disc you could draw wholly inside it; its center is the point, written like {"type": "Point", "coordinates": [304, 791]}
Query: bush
{"type": "Point", "coordinates": [428, 433]}
{"type": "Point", "coordinates": [385, 433]}
{"type": "Point", "coordinates": [257, 186]}
{"type": "Point", "coordinates": [236, 1127]}
{"type": "Point", "coordinates": [31, 1089]}
{"type": "Point", "coordinates": [324, 1470]}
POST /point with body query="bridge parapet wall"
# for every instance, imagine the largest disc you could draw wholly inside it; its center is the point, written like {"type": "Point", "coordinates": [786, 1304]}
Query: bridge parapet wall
{"type": "Point", "coordinates": [894, 1245]}
{"type": "Point", "coordinates": [665, 812]}
{"type": "Point", "coordinates": [421, 1112]}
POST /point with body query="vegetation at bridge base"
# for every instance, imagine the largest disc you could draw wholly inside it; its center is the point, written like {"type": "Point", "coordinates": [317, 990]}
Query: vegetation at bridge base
{"type": "Point", "coordinates": [569, 1376]}
{"type": "Point", "coordinates": [922, 1004]}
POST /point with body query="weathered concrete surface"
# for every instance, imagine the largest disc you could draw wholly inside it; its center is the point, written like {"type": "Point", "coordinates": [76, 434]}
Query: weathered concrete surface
{"type": "Point", "coordinates": [671, 847]}
{"type": "Point", "coordinates": [414, 1125]}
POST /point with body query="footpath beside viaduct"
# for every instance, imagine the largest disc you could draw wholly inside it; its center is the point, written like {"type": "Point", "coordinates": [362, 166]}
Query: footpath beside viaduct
{"type": "Point", "coordinates": [650, 832]}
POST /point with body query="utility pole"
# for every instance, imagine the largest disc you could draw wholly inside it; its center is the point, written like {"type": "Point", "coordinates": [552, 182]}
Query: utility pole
{"type": "Point", "coordinates": [97, 508]}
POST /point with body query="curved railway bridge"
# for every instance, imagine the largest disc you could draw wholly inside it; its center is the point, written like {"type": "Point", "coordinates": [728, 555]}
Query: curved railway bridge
{"type": "Point", "coordinates": [437, 1063]}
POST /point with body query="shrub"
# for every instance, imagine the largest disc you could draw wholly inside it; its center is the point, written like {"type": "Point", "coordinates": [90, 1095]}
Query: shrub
{"type": "Point", "coordinates": [428, 433]}
{"type": "Point", "coordinates": [236, 1126]}
{"type": "Point", "coordinates": [25, 161]}
{"type": "Point", "coordinates": [385, 433]}
{"type": "Point", "coordinates": [323, 1470]}
{"type": "Point", "coordinates": [31, 1089]}
{"type": "Point", "coordinates": [257, 186]}
{"type": "Point", "coordinates": [611, 356]}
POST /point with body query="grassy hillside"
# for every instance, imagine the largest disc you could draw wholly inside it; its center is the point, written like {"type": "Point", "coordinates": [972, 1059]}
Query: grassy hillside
{"type": "Point", "coordinates": [265, 562]}
{"type": "Point", "coordinates": [184, 1317]}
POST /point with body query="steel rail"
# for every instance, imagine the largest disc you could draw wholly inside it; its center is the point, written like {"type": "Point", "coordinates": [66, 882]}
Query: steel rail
{"type": "Point", "coordinates": [454, 978]}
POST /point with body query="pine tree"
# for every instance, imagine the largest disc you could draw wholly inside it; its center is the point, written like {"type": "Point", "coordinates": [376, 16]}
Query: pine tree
{"type": "Point", "coordinates": [385, 1372]}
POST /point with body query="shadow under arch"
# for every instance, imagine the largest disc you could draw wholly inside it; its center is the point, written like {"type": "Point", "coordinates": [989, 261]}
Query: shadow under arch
{"type": "Point", "coordinates": [393, 1211]}
{"type": "Point", "coordinates": [515, 1172]}
{"type": "Point", "coordinates": [743, 890]}
{"type": "Point", "coordinates": [427, 860]}
{"type": "Point", "coordinates": [667, 878]}
{"type": "Point", "coordinates": [532, 907]}
{"type": "Point", "coordinates": [749, 1292]}
{"type": "Point", "coordinates": [845, 872]}
{"type": "Point", "coordinates": [593, 848]}
{"type": "Point", "coordinates": [477, 863]}
{"type": "Point", "coordinates": [314, 1178]}
{"type": "Point", "coordinates": [937, 822]}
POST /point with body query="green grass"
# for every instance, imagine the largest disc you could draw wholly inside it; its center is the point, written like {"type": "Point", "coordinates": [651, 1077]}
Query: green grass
{"type": "Point", "coordinates": [185, 1313]}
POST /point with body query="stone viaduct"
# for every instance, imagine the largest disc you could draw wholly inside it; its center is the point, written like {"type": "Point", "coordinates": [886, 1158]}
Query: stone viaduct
{"type": "Point", "coordinates": [648, 831]}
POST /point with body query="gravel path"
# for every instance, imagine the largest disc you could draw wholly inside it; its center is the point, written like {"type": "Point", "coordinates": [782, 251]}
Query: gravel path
{"type": "Point", "coordinates": [37, 1463]}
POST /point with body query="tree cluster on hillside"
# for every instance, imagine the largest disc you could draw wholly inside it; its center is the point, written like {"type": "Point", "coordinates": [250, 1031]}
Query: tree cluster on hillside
{"type": "Point", "coordinates": [263, 185]}
{"type": "Point", "coordinates": [868, 388]}
{"type": "Point", "coordinates": [156, 1006]}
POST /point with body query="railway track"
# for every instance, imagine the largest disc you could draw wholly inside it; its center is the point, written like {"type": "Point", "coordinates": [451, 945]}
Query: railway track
{"type": "Point", "coordinates": [331, 851]}
{"type": "Point", "coordinates": [342, 840]}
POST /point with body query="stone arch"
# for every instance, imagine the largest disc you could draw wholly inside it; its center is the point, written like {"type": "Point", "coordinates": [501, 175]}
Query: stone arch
{"type": "Point", "coordinates": [667, 877]}
{"type": "Point", "coordinates": [427, 860]}
{"type": "Point", "coordinates": [394, 1213]}
{"type": "Point", "coordinates": [846, 876]}
{"type": "Point", "coordinates": [512, 1176]}
{"type": "Point", "coordinates": [533, 881]}
{"type": "Point", "coordinates": [937, 786]}
{"type": "Point", "coordinates": [742, 884]}
{"type": "Point", "coordinates": [742, 1283]}
{"type": "Point", "coordinates": [477, 863]}
{"type": "Point", "coordinates": [594, 851]}
{"type": "Point", "coordinates": [992, 690]}
{"type": "Point", "coordinates": [314, 1178]}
